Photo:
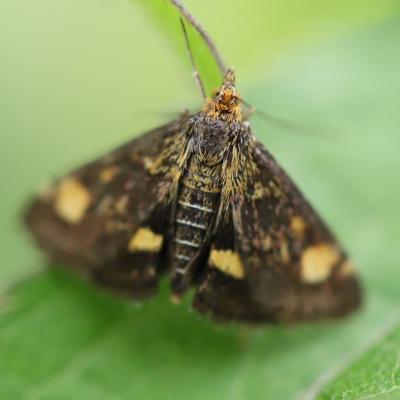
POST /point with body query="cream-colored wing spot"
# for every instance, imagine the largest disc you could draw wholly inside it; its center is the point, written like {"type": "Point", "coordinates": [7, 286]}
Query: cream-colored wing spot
{"type": "Point", "coordinates": [346, 269]}
{"type": "Point", "coordinates": [260, 191]}
{"type": "Point", "coordinates": [298, 226]}
{"type": "Point", "coordinates": [266, 243]}
{"type": "Point", "coordinates": [148, 163]}
{"type": "Point", "coordinates": [228, 262]}
{"type": "Point", "coordinates": [121, 204]}
{"type": "Point", "coordinates": [107, 174]}
{"type": "Point", "coordinates": [284, 251]}
{"type": "Point", "coordinates": [317, 262]}
{"type": "Point", "coordinates": [145, 239]}
{"type": "Point", "coordinates": [72, 200]}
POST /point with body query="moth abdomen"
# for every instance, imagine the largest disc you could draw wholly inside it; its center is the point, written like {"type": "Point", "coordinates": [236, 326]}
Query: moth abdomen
{"type": "Point", "coordinates": [197, 203]}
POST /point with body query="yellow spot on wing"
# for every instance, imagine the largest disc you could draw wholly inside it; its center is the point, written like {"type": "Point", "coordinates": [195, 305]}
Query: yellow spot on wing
{"type": "Point", "coordinates": [277, 191]}
{"type": "Point", "coordinates": [72, 200]}
{"type": "Point", "coordinates": [284, 251]}
{"type": "Point", "coordinates": [145, 240]}
{"type": "Point", "coordinates": [228, 262]}
{"type": "Point", "coordinates": [317, 262]}
{"type": "Point", "coordinates": [346, 269]}
{"type": "Point", "coordinates": [260, 191]}
{"type": "Point", "coordinates": [107, 174]}
{"type": "Point", "coordinates": [148, 163]}
{"type": "Point", "coordinates": [266, 243]}
{"type": "Point", "coordinates": [121, 204]}
{"type": "Point", "coordinates": [298, 226]}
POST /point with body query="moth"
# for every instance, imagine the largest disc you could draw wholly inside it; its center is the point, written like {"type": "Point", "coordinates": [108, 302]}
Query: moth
{"type": "Point", "coordinates": [201, 201]}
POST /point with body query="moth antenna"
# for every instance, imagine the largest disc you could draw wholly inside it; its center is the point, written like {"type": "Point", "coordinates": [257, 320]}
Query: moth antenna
{"type": "Point", "coordinates": [196, 73]}
{"type": "Point", "coordinates": [202, 32]}
{"type": "Point", "coordinates": [289, 126]}
{"type": "Point", "coordinates": [250, 109]}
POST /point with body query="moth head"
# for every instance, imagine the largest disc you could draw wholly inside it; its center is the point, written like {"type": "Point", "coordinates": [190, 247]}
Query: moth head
{"type": "Point", "coordinates": [225, 101]}
{"type": "Point", "coordinates": [227, 96]}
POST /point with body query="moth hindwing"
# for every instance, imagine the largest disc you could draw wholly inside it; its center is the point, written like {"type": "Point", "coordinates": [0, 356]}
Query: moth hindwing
{"type": "Point", "coordinates": [202, 201]}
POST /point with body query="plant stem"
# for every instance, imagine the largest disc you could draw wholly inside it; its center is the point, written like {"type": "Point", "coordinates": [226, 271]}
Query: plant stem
{"type": "Point", "coordinates": [203, 33]}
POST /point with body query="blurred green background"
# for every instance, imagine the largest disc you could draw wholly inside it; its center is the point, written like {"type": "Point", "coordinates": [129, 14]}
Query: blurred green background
{"type": "Point", "coordinates": [79, 77]}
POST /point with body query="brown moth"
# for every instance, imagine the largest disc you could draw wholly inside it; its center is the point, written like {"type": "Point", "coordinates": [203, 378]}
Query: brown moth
{"type": "Point", "coordinates": [202, 201]}
{"type": "Point", "coordinates": [199, 199]}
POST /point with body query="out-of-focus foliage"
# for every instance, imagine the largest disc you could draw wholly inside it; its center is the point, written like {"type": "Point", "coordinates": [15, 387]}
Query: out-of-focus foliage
{"type": "Point", "coordinates": [80, 77]}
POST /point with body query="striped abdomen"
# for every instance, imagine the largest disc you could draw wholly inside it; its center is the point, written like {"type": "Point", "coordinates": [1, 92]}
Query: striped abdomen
{"type": "Point", "coordinates": [195, 213]}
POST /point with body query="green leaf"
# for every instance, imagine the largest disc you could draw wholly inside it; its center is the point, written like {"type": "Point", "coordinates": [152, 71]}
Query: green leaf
{"type": "Point", "coordinates": [376, 375]}
{"type": "Point", "coordinates": [66, 95]}
{"type": "Point", "coordinates": [61, 339]}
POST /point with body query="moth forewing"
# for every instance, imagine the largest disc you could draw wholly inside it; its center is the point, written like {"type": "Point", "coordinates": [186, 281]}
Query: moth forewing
{"type": "Point", "coordinates": [107, 219]}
